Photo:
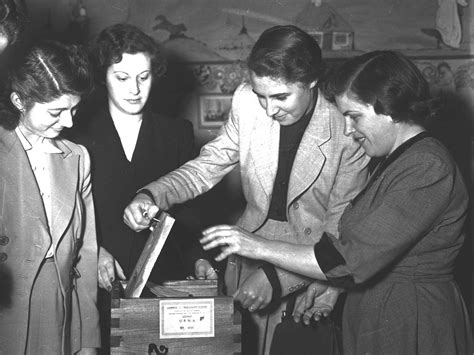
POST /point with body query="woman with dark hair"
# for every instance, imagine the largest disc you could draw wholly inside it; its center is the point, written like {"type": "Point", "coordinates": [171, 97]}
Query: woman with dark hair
{"type": "Point", "coordinates": [130, 146]}
{"type": "Point", "coordinates": [298, 172]}
{"type": "Point", "coordinates": [400, 236]}
{"type": "Point", "coordinates": [48, 248]}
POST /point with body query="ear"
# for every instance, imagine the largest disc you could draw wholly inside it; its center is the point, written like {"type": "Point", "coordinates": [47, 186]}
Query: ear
{"type": "Point", "coordinates": [16, 101]}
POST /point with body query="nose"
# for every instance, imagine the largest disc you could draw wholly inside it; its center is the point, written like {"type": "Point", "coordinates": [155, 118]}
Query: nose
{"type": "Point", "coordinates": [66, 119]}
{"type": "Point", "coordinates": [134, 87]}
{"type": "Point", "coordinates": [271, 108]}
{"type": "Point", "coordinates": [348, 128]}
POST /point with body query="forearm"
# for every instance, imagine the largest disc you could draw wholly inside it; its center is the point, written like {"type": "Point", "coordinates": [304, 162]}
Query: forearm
{"type": "Point", "coordinates": [295, 258]}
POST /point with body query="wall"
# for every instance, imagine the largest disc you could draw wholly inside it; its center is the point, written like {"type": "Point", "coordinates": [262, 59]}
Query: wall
{"type": "Point", "coordinates": [206, 41]}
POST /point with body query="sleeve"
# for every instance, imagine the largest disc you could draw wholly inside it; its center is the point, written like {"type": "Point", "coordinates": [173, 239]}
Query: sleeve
{"type": "Point", "coordinates": [216, 159]}
{"type": "Point", "coordinates": [411, 205]}
{"type": "Point", "coordinates": [350, 178]}
{"type": "Point", "coordinates": [87, 263]}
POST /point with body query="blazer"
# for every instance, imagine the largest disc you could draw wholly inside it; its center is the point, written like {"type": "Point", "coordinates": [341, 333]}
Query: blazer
{"type": "Point", "coordinates": [328, 171]}
{"type": "Point", "coordinates": [163, 145]}
{"type": "Point", "coordinates": [25, 239]}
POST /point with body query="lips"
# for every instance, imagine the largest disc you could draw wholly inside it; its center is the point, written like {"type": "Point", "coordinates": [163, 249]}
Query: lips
{"type": "Point", "coordinates": [133, 101]}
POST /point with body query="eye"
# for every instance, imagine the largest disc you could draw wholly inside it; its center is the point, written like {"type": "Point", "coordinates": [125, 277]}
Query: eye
{"type": "Point", "coordinates": [143, 78]}
{"type": "Point", "coordinates": [55, 114]}
{"type": "Point", "coordinates": [281, 97]}
{"type": "Point", "coordinates": [122, 78]}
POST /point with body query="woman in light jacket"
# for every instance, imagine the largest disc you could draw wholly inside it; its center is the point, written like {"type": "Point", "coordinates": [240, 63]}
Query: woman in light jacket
{"type": "Point", "coordinates": [48, 248]}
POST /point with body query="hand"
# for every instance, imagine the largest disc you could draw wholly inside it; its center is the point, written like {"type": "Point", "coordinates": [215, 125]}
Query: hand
{"type": "Point", "coordinates": [203, 270]}
{"type": "Point", "coordinates": [139, 212]}
{"type": "Point", "coordinates": [317, 302]}
{"type": "Point", "coordinates": [255, 293]}
{"type": "Point", "coordinates": [107, 266]}
{"type": "Point", "coordinates": [232, 240]}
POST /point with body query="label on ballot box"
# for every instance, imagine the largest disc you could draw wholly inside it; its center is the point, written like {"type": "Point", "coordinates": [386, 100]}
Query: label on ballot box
{"type": "Point", "coordinates": [187, 318]}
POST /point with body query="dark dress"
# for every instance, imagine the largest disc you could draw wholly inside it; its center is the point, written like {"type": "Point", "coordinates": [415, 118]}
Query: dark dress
{"type": "Point", "coordinates": [163, 145]}
{"type": "Point", "coordinates": [398, 243]}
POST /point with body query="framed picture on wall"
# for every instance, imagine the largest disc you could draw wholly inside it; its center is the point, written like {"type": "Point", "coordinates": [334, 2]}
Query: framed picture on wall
{"type": "Point", "coordinates": [213, 109]}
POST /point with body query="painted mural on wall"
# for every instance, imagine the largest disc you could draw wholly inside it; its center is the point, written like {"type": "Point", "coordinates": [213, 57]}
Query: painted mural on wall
{"type": "Point", "coordinates": [214, 30]}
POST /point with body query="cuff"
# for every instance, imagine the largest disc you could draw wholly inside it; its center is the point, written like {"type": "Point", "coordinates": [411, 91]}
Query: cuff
{"type": "Point", "coordinates": [148, 193]}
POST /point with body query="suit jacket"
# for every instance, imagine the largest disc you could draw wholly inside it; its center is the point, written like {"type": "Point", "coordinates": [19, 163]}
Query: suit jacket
{"type": "Point", "coordinates": [163, 144]}
{"type": "Point", "coordinates": [328, 171]}
{"type": "Point", "coordinates": [25, 239]}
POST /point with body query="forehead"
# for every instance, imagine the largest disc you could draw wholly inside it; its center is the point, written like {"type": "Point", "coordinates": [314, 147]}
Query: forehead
{"type": "Point", "coordinates": [268, 86]}
{"type": "Point", "coordinates": [349, 102]}
{"type": "Point", "coordinates": [65, 101]}
{"type": "Point", "coordinates": [132, 63]}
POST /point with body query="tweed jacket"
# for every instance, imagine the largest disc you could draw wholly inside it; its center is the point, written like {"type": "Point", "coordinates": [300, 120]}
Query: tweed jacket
{"type": "Point", "coordinates": [328, 171]}
{"type": "Point", "coordinates": [25, 239]}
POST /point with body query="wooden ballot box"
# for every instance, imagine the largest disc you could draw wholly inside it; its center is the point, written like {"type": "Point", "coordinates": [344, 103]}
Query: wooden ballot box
{"type": "Point", "coordinates": [178, 317]}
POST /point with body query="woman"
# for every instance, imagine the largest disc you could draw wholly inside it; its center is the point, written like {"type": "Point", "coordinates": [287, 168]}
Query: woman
{"type": "Point", "coordinates": [131, 146]}
{"type": "Point", "coordinates": [400, 236]}
{"type": "Point", "coordinates": [48, 249]}
{"type": "Point", "coordinates": [298, 171]}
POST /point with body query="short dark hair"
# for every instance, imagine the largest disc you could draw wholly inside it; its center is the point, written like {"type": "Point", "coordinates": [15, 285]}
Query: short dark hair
{"type": "Point", "coordinates": [13, 19]}
{"type": "Point", "coordinates": [288, 53]}
{"type": "Point", "coordinates": [112, 42]}
{"type": "Point", "coordinates": [45, 72]}
{"type": "Point", "coordinates": [388, 81]}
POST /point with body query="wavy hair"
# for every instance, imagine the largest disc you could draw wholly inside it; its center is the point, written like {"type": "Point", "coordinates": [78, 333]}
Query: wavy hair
{"type": "Point", "coordinates": [45, 72]}
{"type": "Point", "coordinates": [288, 53]}
{"type": "Point", "coordinates": [112, 42]}
{"type": "Point", "coordinates": [388, 81]}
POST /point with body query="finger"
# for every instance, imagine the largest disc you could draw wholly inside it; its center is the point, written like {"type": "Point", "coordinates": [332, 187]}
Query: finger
{"type": "Point", "coordinates": [309, 297]}
{"type": "Point", "coordinates": [119, 271]}
{"type": "Point", "coordinates": [101, 281]}
{"type": "Point", "coordinates": [217, 228]}
{"type": "Point", "coordinates": [200, 271]}
{"type": "Point", "coordinates": [299, 309]}
{"type": "Point", "coordinates": [211, 274]}
{"type": "Point", "coordinates": [225, 253]}
{"type": "Point", "coordinates": [104, 275]}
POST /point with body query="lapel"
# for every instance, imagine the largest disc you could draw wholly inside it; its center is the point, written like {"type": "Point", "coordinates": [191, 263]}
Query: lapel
{"type": "Point", "coordinates": [64, 183]}
{"type": "Point", "coordinates": [20, 180]}
{"type": "Point", "coordinates": [264, 143]}
{"type": "Point", "coordinates": [310, 156]}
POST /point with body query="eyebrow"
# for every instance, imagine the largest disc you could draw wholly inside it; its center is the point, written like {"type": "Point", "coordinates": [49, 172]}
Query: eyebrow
{"type": "Point", "coordinates": [274, 95]}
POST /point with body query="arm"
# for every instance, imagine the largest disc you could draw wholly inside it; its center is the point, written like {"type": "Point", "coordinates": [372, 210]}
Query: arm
{"type": "Point", "coordinates": [216, 159]}
{"type": "Point", "coordinates": [423, 183]}
{"type": "Point", "coordinates": [87, 264]}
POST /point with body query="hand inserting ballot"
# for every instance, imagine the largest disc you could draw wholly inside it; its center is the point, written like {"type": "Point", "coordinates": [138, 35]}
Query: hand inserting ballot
{"type": "Point", "coordinates": [140, 212]}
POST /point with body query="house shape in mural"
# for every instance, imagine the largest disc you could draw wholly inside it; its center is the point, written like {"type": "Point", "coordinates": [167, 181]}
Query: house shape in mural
{"type": "Point", "coordinates": [326, 25]}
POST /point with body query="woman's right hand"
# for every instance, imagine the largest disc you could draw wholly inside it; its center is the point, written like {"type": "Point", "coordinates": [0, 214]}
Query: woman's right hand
{"type": "Point", "coordinates": [139, 213]}
{"type": "Point", "coordinates": [107, 267]}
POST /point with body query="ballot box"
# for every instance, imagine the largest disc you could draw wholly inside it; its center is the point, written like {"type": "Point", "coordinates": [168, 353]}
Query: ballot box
{"type": "Point", "coordinates": [177, 317]}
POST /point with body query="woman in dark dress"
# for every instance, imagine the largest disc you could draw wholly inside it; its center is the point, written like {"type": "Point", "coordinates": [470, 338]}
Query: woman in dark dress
{"type": "Point", "coordinates": [400, 236]}
{"type": "Point", "coordinates": [129, 147]}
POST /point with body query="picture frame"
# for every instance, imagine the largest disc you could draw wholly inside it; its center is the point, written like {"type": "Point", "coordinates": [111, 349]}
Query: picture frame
{"type": "Point", "coordinates": [214, 110]}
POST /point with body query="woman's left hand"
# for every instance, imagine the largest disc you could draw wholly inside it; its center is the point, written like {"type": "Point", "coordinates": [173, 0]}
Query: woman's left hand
{"type": "Point", "coordinates": [232, 240]}
{"type": "Point", "coordinates": [203, 270]}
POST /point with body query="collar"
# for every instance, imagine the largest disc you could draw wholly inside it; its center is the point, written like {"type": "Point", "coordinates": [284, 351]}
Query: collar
{"type": "Point", "coordinates": [46, 145]}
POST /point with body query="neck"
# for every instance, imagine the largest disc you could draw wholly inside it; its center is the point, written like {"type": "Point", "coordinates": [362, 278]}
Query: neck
{"type": "Point", "coordinates": [406, 131]}
{"type": "Point", "coordinates": [116, 114]}
{"type": "Point", "coordinates": [32, 138]}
